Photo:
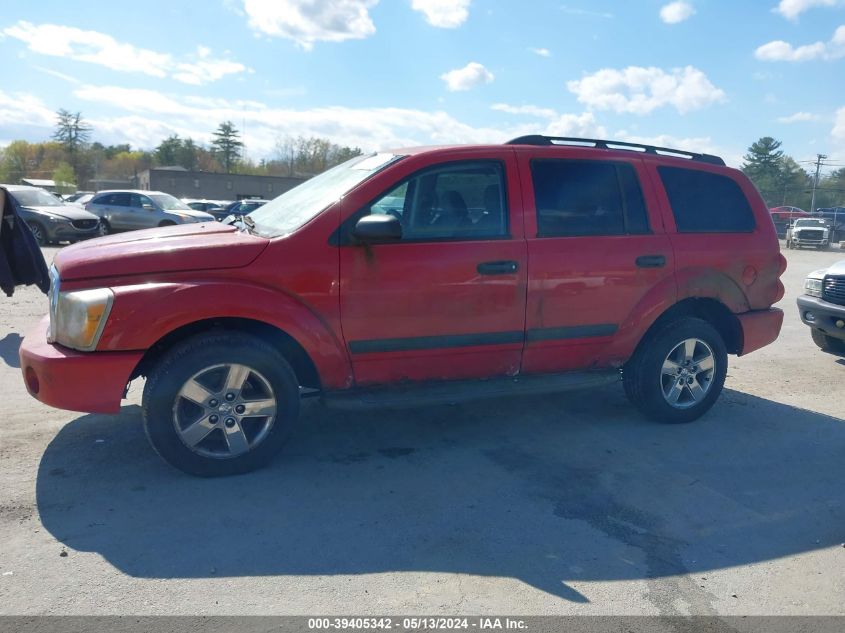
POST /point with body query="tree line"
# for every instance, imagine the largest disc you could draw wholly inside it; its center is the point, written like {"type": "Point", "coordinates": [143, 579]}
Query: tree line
{"type": "Point", "coordinates": [71, 157]}
{"type": "Point", "coordinates": [782, 181]}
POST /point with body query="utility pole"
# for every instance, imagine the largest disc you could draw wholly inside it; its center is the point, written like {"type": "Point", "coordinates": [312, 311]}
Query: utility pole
{"type": "Point", "coordinates": [819, 159]}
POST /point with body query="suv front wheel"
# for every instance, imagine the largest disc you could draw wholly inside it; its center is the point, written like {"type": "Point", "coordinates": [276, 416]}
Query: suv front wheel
{"type": "Point", "coordinates": [678, 371]}
{"type": "Point", "coordinates": [220, 404]}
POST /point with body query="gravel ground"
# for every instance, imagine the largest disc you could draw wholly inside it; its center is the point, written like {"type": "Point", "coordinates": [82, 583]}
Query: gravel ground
{"type": "Point", "coordinates": [569, 504]}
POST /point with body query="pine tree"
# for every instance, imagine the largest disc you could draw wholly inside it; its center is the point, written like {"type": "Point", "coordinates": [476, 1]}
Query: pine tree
{"type": "Point", "coordinates": [227, 145]}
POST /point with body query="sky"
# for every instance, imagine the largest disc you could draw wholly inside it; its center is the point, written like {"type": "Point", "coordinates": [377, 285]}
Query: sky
{"type": "Point", "coordinates": [700, 75]}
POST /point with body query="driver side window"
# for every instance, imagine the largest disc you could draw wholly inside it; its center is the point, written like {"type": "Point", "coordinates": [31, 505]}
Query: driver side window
{"type": "Point", "coordinates": [457, 201]}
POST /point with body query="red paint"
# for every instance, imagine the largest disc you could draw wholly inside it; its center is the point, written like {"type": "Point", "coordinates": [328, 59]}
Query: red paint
{"type": "Point", "coordinates": [78, 381]}
{"type": "Point", "coordinates": [326, 296]}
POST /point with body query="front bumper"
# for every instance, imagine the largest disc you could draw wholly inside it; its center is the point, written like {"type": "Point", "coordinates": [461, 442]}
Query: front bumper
{"type": "Point", "coordinates": [759, 328]}
{"type": "Point", "coordinates": [66, 232]}
{"type": "Point", "coordinates": [92, 382]}
{"type": "Point", "coordinates": [824, 315]}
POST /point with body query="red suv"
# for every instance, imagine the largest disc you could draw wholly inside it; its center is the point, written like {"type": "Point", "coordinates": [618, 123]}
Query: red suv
{"type": "Point", "coordinates": [419, 276]}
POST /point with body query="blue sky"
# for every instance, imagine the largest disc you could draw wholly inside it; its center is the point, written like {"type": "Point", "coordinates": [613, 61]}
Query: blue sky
{"type": "Point", "coordinates": [710, 75]}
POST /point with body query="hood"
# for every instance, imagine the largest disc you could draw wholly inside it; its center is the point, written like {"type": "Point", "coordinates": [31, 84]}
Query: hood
{"type": "Point", "coordinates": [837, 269]}
{"type": "Point", "coordinates": [67, 211]}
{"type": "Point", "coordinates": [206, 246]}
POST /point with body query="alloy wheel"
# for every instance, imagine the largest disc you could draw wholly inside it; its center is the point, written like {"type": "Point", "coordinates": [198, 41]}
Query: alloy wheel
{"type": "Point", "coordinates": [224, 411]}
{"type": "Point", "coordinates": [687, 373]}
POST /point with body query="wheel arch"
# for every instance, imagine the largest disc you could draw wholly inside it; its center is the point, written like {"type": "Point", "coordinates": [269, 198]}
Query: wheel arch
{"type": "Point", "coordinates": [301, 363]}
{"type": "Point", "coordinates": [708, 309]}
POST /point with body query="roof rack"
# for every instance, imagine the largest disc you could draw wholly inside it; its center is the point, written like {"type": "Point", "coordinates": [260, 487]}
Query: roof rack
{"type": "Point", "coordinates": [538, 139]}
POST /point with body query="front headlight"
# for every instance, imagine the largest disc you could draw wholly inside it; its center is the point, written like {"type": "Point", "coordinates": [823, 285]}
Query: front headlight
{"type": "Point", "coordinates": [79, 317]}
{"type": "Point", "coordinates": [813, 287]}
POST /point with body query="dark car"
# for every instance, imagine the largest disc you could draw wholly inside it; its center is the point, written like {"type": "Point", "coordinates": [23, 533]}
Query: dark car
{"type": "Point", "coordinates": [50, 219]}
{"type": "Point", "coordinates": [244, 207]}
{"type": "Point", "coordinates": [214, 207]}
{"type": "Point", "coordinates": [836, 216]}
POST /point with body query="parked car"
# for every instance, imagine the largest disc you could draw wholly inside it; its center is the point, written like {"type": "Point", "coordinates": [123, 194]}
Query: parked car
{"type": "Point", "coordinates": [75, 197]}
{"type": "Point", "coordinates": [836, 217]}
{"type": "Point", "coordinates": [822, 307]}
{"type": "Point", "coordinates": [814, 232]}
{"type": "Point", "coordinates": [211, 207]}
{"type": "Point", "coordinates": [49, 219]}
{"type": "Point", "coordinates": [579, 261]}
{"type": "Point", "coordinates": [244, 207]}
{"type": "Point", "coordinates": [130, 210]}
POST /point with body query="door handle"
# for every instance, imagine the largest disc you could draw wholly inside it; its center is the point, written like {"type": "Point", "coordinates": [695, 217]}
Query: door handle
{"type": "Point", "coordinates": [651, 261]}
{"type": "Point", "coordinates": [497, 268]}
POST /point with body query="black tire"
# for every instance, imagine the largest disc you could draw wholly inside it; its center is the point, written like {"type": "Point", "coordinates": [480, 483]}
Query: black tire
{"type": "Point", "coordinates": [39, 233]}
{"type": "Point", "coordinates": [104, 229]}
{"type": "Point", "coordinates": [643, 375]}
{"type": "Point", "coordinates": [828, 343]}
{"type": "Point", "coordinates": [162, 403]}
{"type": "Point", "coordinates": [167, 223]}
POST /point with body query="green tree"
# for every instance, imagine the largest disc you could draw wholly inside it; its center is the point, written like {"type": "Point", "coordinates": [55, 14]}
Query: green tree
{"type": "Point", "coordinates": [72, 132]}
{"type": "Point", "coordinates": [227, 145]}
{"type": "Point", "coordinates": [64, 178]}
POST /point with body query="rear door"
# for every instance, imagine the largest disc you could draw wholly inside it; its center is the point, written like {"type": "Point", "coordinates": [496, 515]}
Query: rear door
{"type": "Point", "coordinates": [597, 254]}
{"type": "Point", "coordinates": [447, 301]}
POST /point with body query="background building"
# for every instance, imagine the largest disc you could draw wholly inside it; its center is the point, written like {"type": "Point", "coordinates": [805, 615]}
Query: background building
{"type": "Point", "coordinates": [182, 183]}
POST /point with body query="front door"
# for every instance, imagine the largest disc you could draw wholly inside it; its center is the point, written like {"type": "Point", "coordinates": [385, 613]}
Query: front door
{"type": "Point", "coordinates": [447, 300]}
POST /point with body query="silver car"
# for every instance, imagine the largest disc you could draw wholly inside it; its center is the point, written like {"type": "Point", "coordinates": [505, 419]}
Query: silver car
{"type": "Point", "coordinates": [130, 210]}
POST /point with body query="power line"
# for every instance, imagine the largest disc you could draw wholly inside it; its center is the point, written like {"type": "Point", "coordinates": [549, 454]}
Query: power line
{"type": "Point", "coordinates": [819, 159]}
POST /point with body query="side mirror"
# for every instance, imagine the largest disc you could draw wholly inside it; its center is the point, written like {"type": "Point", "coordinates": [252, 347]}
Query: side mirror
{"type": "Point", "coordinates": [148, 207]}
{"type": "Point", "coordinates": [372, 229]}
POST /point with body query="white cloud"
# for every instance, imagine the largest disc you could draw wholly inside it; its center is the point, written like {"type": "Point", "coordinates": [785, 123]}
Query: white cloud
{"type": "Point", "coordinates": [144, 117]}
{"type": "Point", "coordinates": [528, 110]}
{"type": "Point", "coordinates": [445, 14]}
{"type": "Point", "coordinates": [577, 125]}
{"type": "Point", "coordinates": [676, 12]}
{"type": "Point", "coordinates": [638, 90]}
{"type": "Point", "coordinates": [780, 51]}
{"type": "Point", "coordinates": [838, 131]}
{"type": "Point", "coordinates": [798, 117]}
{"type": "Point", "coordinates": [542, 52]}
{"type": "Point", "coordinates": [21, 109]}
{"type": "Point", "coordinates": [470, 76]}
{"type": "Point", "coordinates": [102, 49]}
{"type": "Point", "coordinates": [309, 21]}
{"type": "Point", "coordinates": [791, 9]}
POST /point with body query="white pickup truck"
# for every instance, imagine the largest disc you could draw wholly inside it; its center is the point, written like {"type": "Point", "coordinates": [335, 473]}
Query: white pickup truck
{"type": "Point", "coordinates": [813, 232]}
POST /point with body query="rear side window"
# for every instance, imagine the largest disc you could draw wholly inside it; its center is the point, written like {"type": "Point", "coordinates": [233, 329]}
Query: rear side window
{"type": "Point", "coordinates": [706, 203]}
{"type": "Point", "coordinates": [579, 198]}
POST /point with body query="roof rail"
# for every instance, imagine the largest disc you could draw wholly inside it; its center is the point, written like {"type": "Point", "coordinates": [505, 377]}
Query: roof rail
{"type": "Point", "coordinates": [538, 139]}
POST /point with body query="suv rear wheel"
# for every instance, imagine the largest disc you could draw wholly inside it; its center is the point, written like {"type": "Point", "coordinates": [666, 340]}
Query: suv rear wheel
{"type": "Point", "coordinates": [678, 372]}
{"type": "Point", "coordinates": [220, 404]}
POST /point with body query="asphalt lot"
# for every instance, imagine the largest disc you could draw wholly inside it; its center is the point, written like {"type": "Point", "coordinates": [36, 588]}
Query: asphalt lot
{"type": "Point", "coordinates": [570, 504]}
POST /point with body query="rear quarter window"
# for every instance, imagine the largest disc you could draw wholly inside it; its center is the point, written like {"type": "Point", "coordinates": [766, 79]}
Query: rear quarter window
{"type": "Point", "coordinates": [703, 202]}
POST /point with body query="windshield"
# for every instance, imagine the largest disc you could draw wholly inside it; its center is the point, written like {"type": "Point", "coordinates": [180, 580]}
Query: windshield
{"type": "Point", "coordinates": [35, 198]}
{"type": "Point", "coordinates": [811, 223]}
{"type": "Point", "coordinates": [294, 208]}
{"type": "Point", "coordinates": [169, 203]}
